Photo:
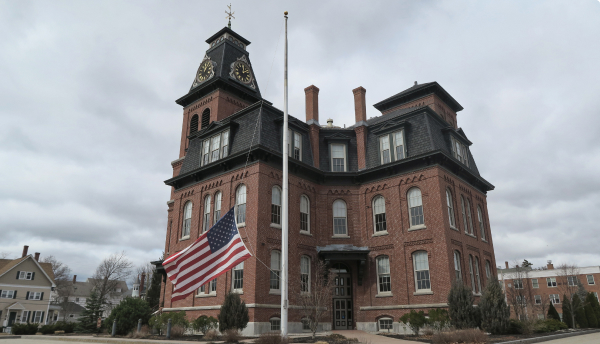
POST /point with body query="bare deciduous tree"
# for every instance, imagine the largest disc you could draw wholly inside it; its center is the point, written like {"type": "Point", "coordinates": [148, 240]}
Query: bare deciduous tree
{"type": "Point", "coordinates": [4, 255]}
{"type": "Point", "coordinates": [64, 286]}
{"type": "Point", "coordinates": [567, 283]}
{"type": "Point", "coordinates": [519, 293]}
{"type": "Point", "coordinates": [111, 270]}
{"type": "Point", "coordinates": [313, 303]}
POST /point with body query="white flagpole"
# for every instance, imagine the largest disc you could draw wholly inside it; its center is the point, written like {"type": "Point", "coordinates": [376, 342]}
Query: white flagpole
{"type": "Point", "coordinates": [284, 213]}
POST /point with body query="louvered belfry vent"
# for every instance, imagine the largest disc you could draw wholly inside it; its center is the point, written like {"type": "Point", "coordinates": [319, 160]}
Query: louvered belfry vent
{"type": "Point", "coordinates": [194, 124]}
{"type": "Point", "coordinates": [205, 118]}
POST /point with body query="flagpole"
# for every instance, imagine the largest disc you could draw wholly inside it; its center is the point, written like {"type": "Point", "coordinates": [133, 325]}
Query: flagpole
{"type": "Point", "coordinates": [284, 214]}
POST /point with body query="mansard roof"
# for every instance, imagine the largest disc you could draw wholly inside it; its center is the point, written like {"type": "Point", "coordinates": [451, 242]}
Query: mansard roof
{"type": "Point", "coordinates": [418, 91]}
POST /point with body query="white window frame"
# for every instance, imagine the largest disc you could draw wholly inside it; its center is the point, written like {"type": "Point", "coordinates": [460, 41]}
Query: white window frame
{"type": "Point", "coordinates": [450, 204]}
{"type": "Point", "coordinates": [294, 144]}
{"type": "Point", "coordinates": [477, 275]}
{"type": "Point", "coordinates": [218, 144]}
{"type": "Point", "coordinates": [217, 211]}
{"type": "Point", "coordinates": [205, 152]}
{"type": "Point", "coordinates": [572, 281]}
{"type": "Point", "coordinates": [537, 299]}
{"type": "Point", "coordinates": [25, 275]}
{"type": "Point", "coordinates": [472, 274]}
{"type": "Point", "coordinates": [24, 316]}
{"type": "Point", "coordinates": [402, 144]}
{"type": "Point", "coordinates": [464, 214]}
{"type": "Point", "coordinates": [535, 283]}
{"type": "Point", "coordinates": [425, 282]}
{"type": "Point", "coordinates": [488, 269]}
{"type": "Point", "coordinates": [35, 295]}
{"type": "Point", "coordinates": [275, 323]}
{"type": "Point", "coordinates": [241, 193]}
{"type": "Point", "coordinates": [276, 201]}
{"type": "Point", "coordinates": [387, 327]}
{"type": "Point", "coordinates": [305, 274]}
{"type": "Point", "coordinates": [551, 281]}
{"type": "Point", "coordinates": [412, 204]}
{"type": "Point", "coordinates": [378, 206]}
{"type": "Point", "coordinates": [187, 220]}
{"type": "Point", "coordinates": [305, 199]}
{"type": "Point", "coordinates": [460, 152]}
{"type": "Point", "coordinates": [518, 283]}
{"type": "Point", "coordinates": [382, 273]}
{"type": "Point", "coordinates": [206, 215]}
{"type": "Point", "coordinates": [593, 282]}
{"type": "Point", "coordinates": [345, 163]}
{"type": "Point", "coordinates": [38, 317]}
{"type": "Point", "coordinates": [235, 277]}
{"type": "Point", "coordinates": [554, 298]}
{"type": "Point", "coordinates": [275, 272]}
{"type": "Point", "coordinates": [339, 217]}
{"type": "Point", "coordinates": [457, 266]}
{"type": "Point", "coordinates": [212, 287]}
{"type": "Point", "coordinates": [481, 223]}
{"type": "Point", "coordinates": [469, 215]}
{"type": "Point", "coordinates": [382, 149]}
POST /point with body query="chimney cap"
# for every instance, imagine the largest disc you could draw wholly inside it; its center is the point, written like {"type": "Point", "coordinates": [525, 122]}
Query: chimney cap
{"type": "Point", "coordinates": [330, 122]}
{"type": "Point", "coordinates": [416, 83]}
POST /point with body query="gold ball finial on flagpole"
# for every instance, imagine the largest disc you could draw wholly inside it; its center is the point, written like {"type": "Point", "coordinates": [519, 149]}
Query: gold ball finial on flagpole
{"type": "Point", "coordinates": [285, 13]}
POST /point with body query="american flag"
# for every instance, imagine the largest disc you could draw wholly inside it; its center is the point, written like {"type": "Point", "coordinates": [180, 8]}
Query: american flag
{"type": "Point", "coordinates": [211, 255]}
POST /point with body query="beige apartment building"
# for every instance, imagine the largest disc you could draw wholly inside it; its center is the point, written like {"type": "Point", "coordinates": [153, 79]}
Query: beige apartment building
{"type": "Point", "coordinates": [25, 287]}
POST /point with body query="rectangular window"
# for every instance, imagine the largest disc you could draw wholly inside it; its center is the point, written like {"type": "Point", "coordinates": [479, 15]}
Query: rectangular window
{"type": "Point", "coordinates": [385, 324]}
{"type": "Point", "coordinates": [225, 144]}
{"type": "Point", "coordinates": [238, 277]}
{"type": "Point", "coordinates": [35, 296]}
{"type": "Point", "coordinates": [518, 284]}
{"type": "Point", "coordinates": [383, 275]}
{"type": "Point", "coordinates": [305, 274]}
{"type": "Point", "coordinates": [421, 265]}
{"type": "Point", "coordinates": [551, 282]}
{"type": "Point", "coordinates": [399, 144]}
{"type": "Point", "coordinates": [538, 299]}
{"type": "Point", "coordinates": [384, 147]}
{"type": "Point", "coordinates": [554, 298]}
{"type": "Point", "coordinates": [457, 269]}
{"type": "Point", "coordinates": [215, 148]}
{"type": "Point", "coordinates": [521, 300]}
{"type": "Point", "coordinates": [305, 324]}
{"type": "Point", "coordinates": [297, 146]}
{"type": "Point", "coordinates": [215, 145]}
{"type": "Point", "coordinates": [460, 151]}
{"type": "Point", "coordinates": [596, 295]}
{"type": "Point", "coordinates": [590, 279]}
{"type": "Point", "coordinates": [37, 318]}
{"type": "Point", "coordinates": [534, 283]}
{"type": "Point", "coordinates": [213, 286]}
{"type": "Point", "coordinates": [24, 275]}
{"type": "Point", "coordinates": [202, 289]}
{"type": "Point", "coordinates": [572, 280]}
{"type": "Point", "coordinates": [206, 152]}
{"type": "Point", "coordinates": [275, 324]}
{"type": "Point", "coordinates": [8, 294]}
{"type": "Point", "coordinates": [338, 158]}
{"type": "Point", "coordinates": [24, 316]}
{"type": "Point", "coordinates": [275, 270]}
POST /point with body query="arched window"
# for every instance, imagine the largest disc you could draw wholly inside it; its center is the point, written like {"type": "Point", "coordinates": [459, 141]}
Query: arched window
{"type": "Point", "coordinates": [240, 205]}
{"type": "Point", "coordinates": [472, 274]}
{"type": "Point", "coordinates": [457, 269]}
{"type": "Point", "coordinates": [470, 217]}
{"type": "Point", "coordinates": [205, 118]}
{"type": "Point", "coordinates": [206, 217]}
{"type": "Point", "coordinates": [421, 267]}
{"type": "Point", "coordinates": [275, 270]}
{"type": "Point", "coordinates": [379, 214]}
{"type": "Point", "coordinates": [275, 324]}
{"type": "Point", "coordinates": [450, 209]}
{"type": "Point", "coordinates": [383, 275]}
{"type": "Point", "coordinates": [276, 205]}
{"type": "Point", "coordinates": [464, 214]}
{"type": "Point", "coordinates": [477, 277]}
{"type": "Point", "coordinates": [218, 197]}
{"type": "Point", "coordinates": [304, 214]}
{"type": "Point", "coordinates": [305, 274]}
{"type": "Point", "coordinates": [481, 223]}
{"type": "Point", "coordinates": [194, 124]}
{"type": "Point", "coordinates": [339, 218]}
{"type": "Point", "coordinates": [187, 220]}
{"type": "Point", "coordinates": [415, 207]}
{"type": "Point", "coordinates": [488, 269]}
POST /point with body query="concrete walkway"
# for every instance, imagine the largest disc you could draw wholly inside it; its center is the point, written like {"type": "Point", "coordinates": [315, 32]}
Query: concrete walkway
{"type": "Point", "coordinates": [592, 338]}
{"type": "Point", "coordinates": [368, 338]}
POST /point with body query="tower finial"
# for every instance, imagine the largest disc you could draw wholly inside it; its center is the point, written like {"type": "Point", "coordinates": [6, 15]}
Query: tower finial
{"type": "Point", "coordinates": [229, 15]}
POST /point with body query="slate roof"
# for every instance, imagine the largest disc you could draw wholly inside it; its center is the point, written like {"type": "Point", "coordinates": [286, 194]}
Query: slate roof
{"type": "Point", "coordinates": [415, 92]}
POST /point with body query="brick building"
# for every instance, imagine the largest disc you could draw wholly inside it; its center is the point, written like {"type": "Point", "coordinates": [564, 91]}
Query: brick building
{"type": "Point", "coordinates": [394, 204]}
{"type": "Point", "coordinates": [529, 291]}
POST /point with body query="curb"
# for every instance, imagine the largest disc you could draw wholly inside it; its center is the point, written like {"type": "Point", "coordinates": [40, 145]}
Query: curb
{"type": "Point", "coordinates": [9, 337]}
{"type": "Point", "coordinates": [108, 340]}
{"type": "Point", "coordinates": [548, 338]}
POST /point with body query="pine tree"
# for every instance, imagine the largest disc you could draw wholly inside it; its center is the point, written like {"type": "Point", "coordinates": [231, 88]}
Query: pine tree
{"type": "Point", "coordinates": [590, 312]}
{"type": "Point", "coordinates": [233, 314]}
{"type": "Point", "coordinates": [593, 301]}
{"type": "Point", "coordinates": [460, 307]}
{"type": "Point", "coordinates": [567, 312]}
{"type": "Point", "coordinates": [495, 313]}
{"type": "Point", "coordinates": [153, 293]}
{"type": "Point", "coordinates": [578, 307]}
{"type": "Point", "coordinates": [89, 316]}
{"type": "Point", "coordinates": [552, 313]}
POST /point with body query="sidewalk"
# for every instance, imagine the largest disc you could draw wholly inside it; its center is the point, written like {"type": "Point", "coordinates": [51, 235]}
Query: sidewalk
{"type": "Point", "coordinates": [369, 338]}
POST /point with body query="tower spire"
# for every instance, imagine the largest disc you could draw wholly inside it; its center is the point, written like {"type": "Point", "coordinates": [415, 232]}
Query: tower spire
{"type": "Point", "coordinates": [229, 15]}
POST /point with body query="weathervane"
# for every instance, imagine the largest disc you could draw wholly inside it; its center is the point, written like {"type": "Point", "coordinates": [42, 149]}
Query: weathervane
{"type": "Point", "coordinates": [229, 15]}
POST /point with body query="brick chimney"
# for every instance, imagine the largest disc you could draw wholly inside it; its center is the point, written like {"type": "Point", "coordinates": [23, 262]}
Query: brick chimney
{"type": "Point", "coordinates": [37, 256]}
{"type": "Point", "coordinates": [550, 266]}
{"type": "Point", "coordinates": [360, 114]}
{"type": "Point", "coordinates": [506, 263]}
{"type": "Point", "coordinates": [25, 248]}
{"type": "Point", "coordinates": [74, 279]}
{"type": "Point", "coordinates": [312, 119]}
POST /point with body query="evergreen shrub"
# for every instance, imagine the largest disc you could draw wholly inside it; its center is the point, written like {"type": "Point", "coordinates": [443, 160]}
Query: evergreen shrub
{"type": "Point", "coordinates": [127, 313]}
{"type": "Point", "coordinates": [460, 307]}
{"type": "Point", "coordinates": [495, 313]}
{"type": "Point", "coordinates": [233, 314]}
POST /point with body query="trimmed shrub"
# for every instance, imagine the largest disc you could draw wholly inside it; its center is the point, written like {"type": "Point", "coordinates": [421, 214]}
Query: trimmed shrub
{"type": "Point", "coordinates": [233, 314]}
{"type": "Point", "coordinates": [414, 320]}
{"type": "Point", "coordinates": [550, 325]}
{"type": "Point", "coordinates": [494, 311]}
{"type": "Point", "coordinates": [204, 324]}
{"type": "Point", "coordinates": [514, 327]}
{"type": "Point", "coordinates": [22, 329]}
{"type": "Point", "coordinates": [127, 313]}
{"type": "Point", "coordinates": [460, 306]}
{"type": "Point", "coordinates": [47, 329]}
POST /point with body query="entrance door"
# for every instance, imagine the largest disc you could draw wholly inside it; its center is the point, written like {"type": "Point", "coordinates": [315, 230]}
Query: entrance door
{"type": "Point", "coordinates": [11, 318]}
{"type": "Point", "coordinates": [342, 298]}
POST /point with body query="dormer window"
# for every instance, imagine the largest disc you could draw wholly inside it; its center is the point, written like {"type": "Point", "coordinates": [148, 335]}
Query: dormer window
{"type": "Point", "coordinates": [391, 147]}
{"type": "Point", "coordinates": [338, 157]}
{"type": "Point", "coordinates": [215, 148]}
{"type": "Point", "coordinates": [460, 151]}
{"type": "Point", "coordinates": [294, 145]}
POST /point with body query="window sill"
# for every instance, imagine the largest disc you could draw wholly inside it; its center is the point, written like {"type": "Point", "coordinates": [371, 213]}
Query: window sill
{"type": "Point", "coordinates": [485, 241]}
{"type": "Point", "coordinates": [238, 291]}
{"type": "Point", "coordinates": [471, 235]}
{"type": "Point", "coordinates": [275, 292]}
{"type": "Point", "coordinates": [415, 228]}
{"type": "Point", "coordinates": [340, 237]}
{"type": "Point", "coordinates": [476, 294]}
{"type": "Point", "coordinates": [240, 225]}
{"type": "Point", "coordinates": [454, 228]}
{"type": "Point", "coordinates": [184, 238]}
{"type": "Point", "coordinates": [206, 295]}
{"type": "Point", "coordinates": [423, 292]}
{"type": "Point", "coordinates": [384, 295]}
{"type": "Point", "coordinates": [274, 225]}
{"type": "Point", "coordinates": [305, 233]}
{"type": "Point", "coordinates": [380, 233]}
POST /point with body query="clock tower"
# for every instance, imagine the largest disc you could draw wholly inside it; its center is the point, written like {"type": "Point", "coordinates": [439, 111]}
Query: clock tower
{"type": "Point", "coordinates": [224, 84]}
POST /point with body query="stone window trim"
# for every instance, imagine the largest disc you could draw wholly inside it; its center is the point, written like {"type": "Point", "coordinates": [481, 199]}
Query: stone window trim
{"type": "Point", "coordinates": [385, 324]}
{"type": "Point", "coordinates": [305, 215]}
{"type": "Point", "coordinates": [379, 215]}
{"type": "Point", "coordinates": [343, 156]}
{"type": "Point", "coordinates": [416, 213]}
{"type": "Point", "coordinates": [275, 324]}
{"type": "Point", "coordinates": [383, 270]}
{"type": "Point", "coordinates": [421, 272]}
{"type": "Point", "coordinates": [340, 218]}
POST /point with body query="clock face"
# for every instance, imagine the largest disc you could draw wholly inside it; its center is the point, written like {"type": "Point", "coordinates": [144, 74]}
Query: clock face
{"type": "Point", "coordinates": [241, 70]}
{"type": "Point", "coordinates": [205, 71]}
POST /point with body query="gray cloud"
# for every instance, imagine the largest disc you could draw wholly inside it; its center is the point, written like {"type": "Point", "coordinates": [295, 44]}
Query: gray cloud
{"type": "Point", "coordinates": [88, 123]}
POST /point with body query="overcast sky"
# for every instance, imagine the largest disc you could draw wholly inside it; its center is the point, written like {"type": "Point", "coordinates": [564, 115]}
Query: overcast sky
{"type": "Point", "coordinates": [89, 124]}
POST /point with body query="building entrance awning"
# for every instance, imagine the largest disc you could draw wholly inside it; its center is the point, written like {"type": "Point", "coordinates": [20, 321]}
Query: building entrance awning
{"type": "Point", "coordinates": [331, 253]}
